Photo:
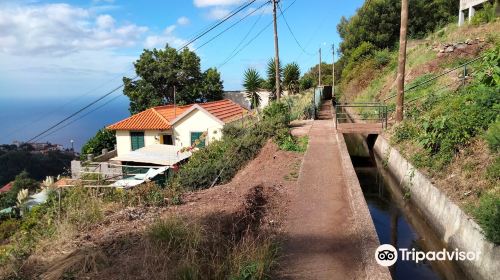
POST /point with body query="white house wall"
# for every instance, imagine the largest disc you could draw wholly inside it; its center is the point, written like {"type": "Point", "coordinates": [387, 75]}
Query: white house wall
{"type": "Point", "coordinates": [123, 141]}
{"type": "Point", "coordinates": [196, 121]}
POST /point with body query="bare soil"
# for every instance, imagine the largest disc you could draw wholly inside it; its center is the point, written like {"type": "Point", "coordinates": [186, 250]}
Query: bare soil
{"type": "Point", "coordinates": [259, 194]}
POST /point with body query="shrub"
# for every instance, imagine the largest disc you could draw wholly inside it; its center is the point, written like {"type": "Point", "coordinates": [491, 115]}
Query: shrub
{"type": "Point", "coordinates": [492, 136]}
{"type": "Point", "coordinates": [277, 112]}
{"type": "Point", "coordinates": [300, 105]}
{"type": "Point", "coordinates": [293, 144]}
{"type": "Point", "coordinates": [382, 57]}
{"type": "Point", "coordinates": [488, 216]}
{"type": "Point", "coordinates": [457, 119]}
{"type": "Point", "coordinates": [405, 131]}
{"type": "Point", "coordinates": [489, 70]}
{"type": "Point", "coordinates": [8, 228]}
{"type": "Point", "coordinates": [485, 15]}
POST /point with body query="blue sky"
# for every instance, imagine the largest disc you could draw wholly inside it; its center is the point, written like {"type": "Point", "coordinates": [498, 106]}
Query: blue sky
{"type": "Point", "coordinates": [63, 49]}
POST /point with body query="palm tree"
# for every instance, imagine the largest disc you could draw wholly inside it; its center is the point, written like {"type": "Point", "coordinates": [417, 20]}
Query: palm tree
{"type": "Point", "coordinates": [271, 76]}
{"type": "Point", "coordinates": [252, 83]}
{"type": "Point", "coordinates": [291, 76]}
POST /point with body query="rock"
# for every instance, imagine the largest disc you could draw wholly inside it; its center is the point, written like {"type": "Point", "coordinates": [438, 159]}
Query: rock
{"type": "Point", "coordinates": [461, 46]}
{"type": "Point", "coordinates": [469, 42]}
{"type": "Point", "coordinates": [449, 49]}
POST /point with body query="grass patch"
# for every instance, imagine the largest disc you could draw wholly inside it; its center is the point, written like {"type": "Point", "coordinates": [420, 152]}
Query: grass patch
{"type": "Point", "coordinates": [293, 144]}
{"type": "Point", "coordinates": [487, 215]}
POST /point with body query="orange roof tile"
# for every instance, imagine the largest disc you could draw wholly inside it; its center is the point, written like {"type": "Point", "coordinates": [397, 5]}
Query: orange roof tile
{"type": "Point", "coordinates": [161, 117]}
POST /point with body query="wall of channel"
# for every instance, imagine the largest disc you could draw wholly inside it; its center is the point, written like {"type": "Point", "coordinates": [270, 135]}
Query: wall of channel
{"type": "Point", "coordinates": [455, 227]}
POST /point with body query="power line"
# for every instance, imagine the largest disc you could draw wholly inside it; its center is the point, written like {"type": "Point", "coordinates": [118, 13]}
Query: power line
{"type": "Point", "coordinates": [81, 117]}
{"type": "Point", "coordinates": [45, 116]}
{"type": "Point", "coordinates": [227, 17]}
{"type": "Point", "coordinates": [247, 34]}
{"type": "Point", "coordinates": [231, 26]}
{"type": "Point", "coordinates": [251, 40]}
{"type": "Point", "coordinates": [79, 111]}
{"type": "Point", "coordinates": [216, 25]}
{"type": "Point", "coordinates": [293, 35]}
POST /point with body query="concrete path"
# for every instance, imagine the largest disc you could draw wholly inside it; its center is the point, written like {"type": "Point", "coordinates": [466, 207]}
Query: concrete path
{"type": "Point", "coordinates": [321, 240]}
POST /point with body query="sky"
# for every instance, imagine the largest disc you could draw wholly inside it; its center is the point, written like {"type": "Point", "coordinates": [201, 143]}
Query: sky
{"type": "Point", "coordinates": [66, 53]}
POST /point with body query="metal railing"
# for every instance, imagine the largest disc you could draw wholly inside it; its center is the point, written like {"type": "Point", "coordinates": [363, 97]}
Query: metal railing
{"type": "Point", "coordinates": [370, 111]}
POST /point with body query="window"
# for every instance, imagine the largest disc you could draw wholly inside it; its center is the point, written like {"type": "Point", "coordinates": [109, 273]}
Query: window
{"type": "Point", "coordinates": [137, 140]}
{"type": "Point", "coordinates": [167, 139]}
{"type": "Point", "coordinates": [195, 136]}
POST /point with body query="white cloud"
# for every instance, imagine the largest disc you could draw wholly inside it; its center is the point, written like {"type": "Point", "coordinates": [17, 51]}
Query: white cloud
{"type": "Point", "coordinates": [208, 3]}
{"type": "Point", "coordinates": [218, 13]}
{"type": "Point", "coordinates": [61, 29]}
{"type": "Point", "coordinates": [183, 21]}
{"type": "Point", "coordinates": [159, 41]}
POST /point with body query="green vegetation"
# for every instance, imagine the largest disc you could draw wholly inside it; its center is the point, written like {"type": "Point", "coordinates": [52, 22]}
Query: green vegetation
{"type": "Point", "coordinates": [36, 164]}
{"type": "Point", "coordinates": [291, 76]}
{"type": "Point", "coordinates": [252, 82]}
{"type": "Point", "coordinates": [162, 70]}
{"type": "Point", "coordinates": [486, 15]}
{"type": "Point", "coordinates": [220, 161]}
{"type": "Point", "coordinates": [103, 139]}
{"type": "Point", "coordinates": [270, 83]}
{"type": "Point", "coordinates": [22, 181]}
{"type": "Point", "coordinates": [301, 105]}
{"type": "Point", "coordinates": [488, 216]}
{"type": "Point", "coordinates": [293, 144]}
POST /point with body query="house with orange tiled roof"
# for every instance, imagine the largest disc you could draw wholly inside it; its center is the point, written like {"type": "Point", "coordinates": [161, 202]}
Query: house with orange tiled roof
{"type": "Point", "coordinates": [178, 126]}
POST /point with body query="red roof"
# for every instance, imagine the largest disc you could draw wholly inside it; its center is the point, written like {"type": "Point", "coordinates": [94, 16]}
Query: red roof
{"type": "Point", "coordinates": [7, 187]}
{"type": "Point", "coordinates": [161, 117]}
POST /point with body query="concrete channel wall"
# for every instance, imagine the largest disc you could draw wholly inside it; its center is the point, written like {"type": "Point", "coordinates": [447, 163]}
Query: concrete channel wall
{"type": "Point", "coordinates": [364, 224]}
{"type": "Point", "coordinates": [455, 227]}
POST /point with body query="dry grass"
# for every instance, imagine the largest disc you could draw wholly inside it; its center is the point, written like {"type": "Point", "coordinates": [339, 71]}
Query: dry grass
{"type": "Point", "coordinates": [464, 180]}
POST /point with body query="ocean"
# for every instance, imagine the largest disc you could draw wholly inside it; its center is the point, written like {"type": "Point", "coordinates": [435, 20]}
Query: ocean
{"type": "Point", "coordinates": [22, 119]}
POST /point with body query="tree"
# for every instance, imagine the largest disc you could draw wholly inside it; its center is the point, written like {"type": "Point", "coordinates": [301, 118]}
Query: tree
{"type": "Point", "coordinates": [378, 22]}
{"type": "Point", "coordinates": [311, 76]}
{"type": "Point", "coordinates": [103, 139]}
{"type": "Point", "coordinates": [252, 83]}
{"type": "Point", "coordinates": [159, 71]}
{"type": "Point", "coordinates": [271, 77]}
{"type": "Point", "coordinates": [306, 82]}
{"type": "Point", "coordinates": [212, 88]}
{"type": "Point", "coordinates": [291, 76]}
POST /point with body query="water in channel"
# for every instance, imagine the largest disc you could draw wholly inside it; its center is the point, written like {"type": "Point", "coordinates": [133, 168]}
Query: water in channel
{"type": "Point", "coordinates": [396, 220]}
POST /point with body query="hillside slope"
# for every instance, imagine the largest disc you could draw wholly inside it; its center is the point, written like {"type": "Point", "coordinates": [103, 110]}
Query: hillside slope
{"type": "Point", "coordinates": [451, 125]}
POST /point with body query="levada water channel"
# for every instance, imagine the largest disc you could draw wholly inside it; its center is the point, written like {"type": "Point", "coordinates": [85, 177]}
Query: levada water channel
{"type": "Point", "coordinates": [397, 221]}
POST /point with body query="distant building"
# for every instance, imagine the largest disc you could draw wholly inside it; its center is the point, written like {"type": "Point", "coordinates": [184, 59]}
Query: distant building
{"type": "Point", "coordinates": [470, 7]}
{"type": "Point", "coordinates": [241, 98]}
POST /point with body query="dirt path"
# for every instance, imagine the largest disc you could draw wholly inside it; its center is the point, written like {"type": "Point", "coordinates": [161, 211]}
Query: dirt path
{"type": "Point", "coordinates": [321, 242]}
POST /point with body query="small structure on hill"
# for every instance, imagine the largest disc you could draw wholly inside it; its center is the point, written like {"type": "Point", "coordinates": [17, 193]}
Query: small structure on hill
{"type": "Point", "coordinates": [470, 6]}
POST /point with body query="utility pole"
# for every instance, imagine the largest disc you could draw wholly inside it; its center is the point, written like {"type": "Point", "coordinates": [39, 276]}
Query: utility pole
{"type": "Point", "coordinates": [402, 61]}
{"type": "Point", "coordinates": [276, 53]}
{"type": "Point", "coordinates": [333, 69]}
{"type": "Point", "coordinates": [319, 69]}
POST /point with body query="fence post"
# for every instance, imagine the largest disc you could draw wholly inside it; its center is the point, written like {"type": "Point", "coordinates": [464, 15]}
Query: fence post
{"type": "Point", "coordinates": [336, 116]}
{"type": "Point", "coordinates": [386, 117]}
{"type": "Point", "coordinates": [465, 75]}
